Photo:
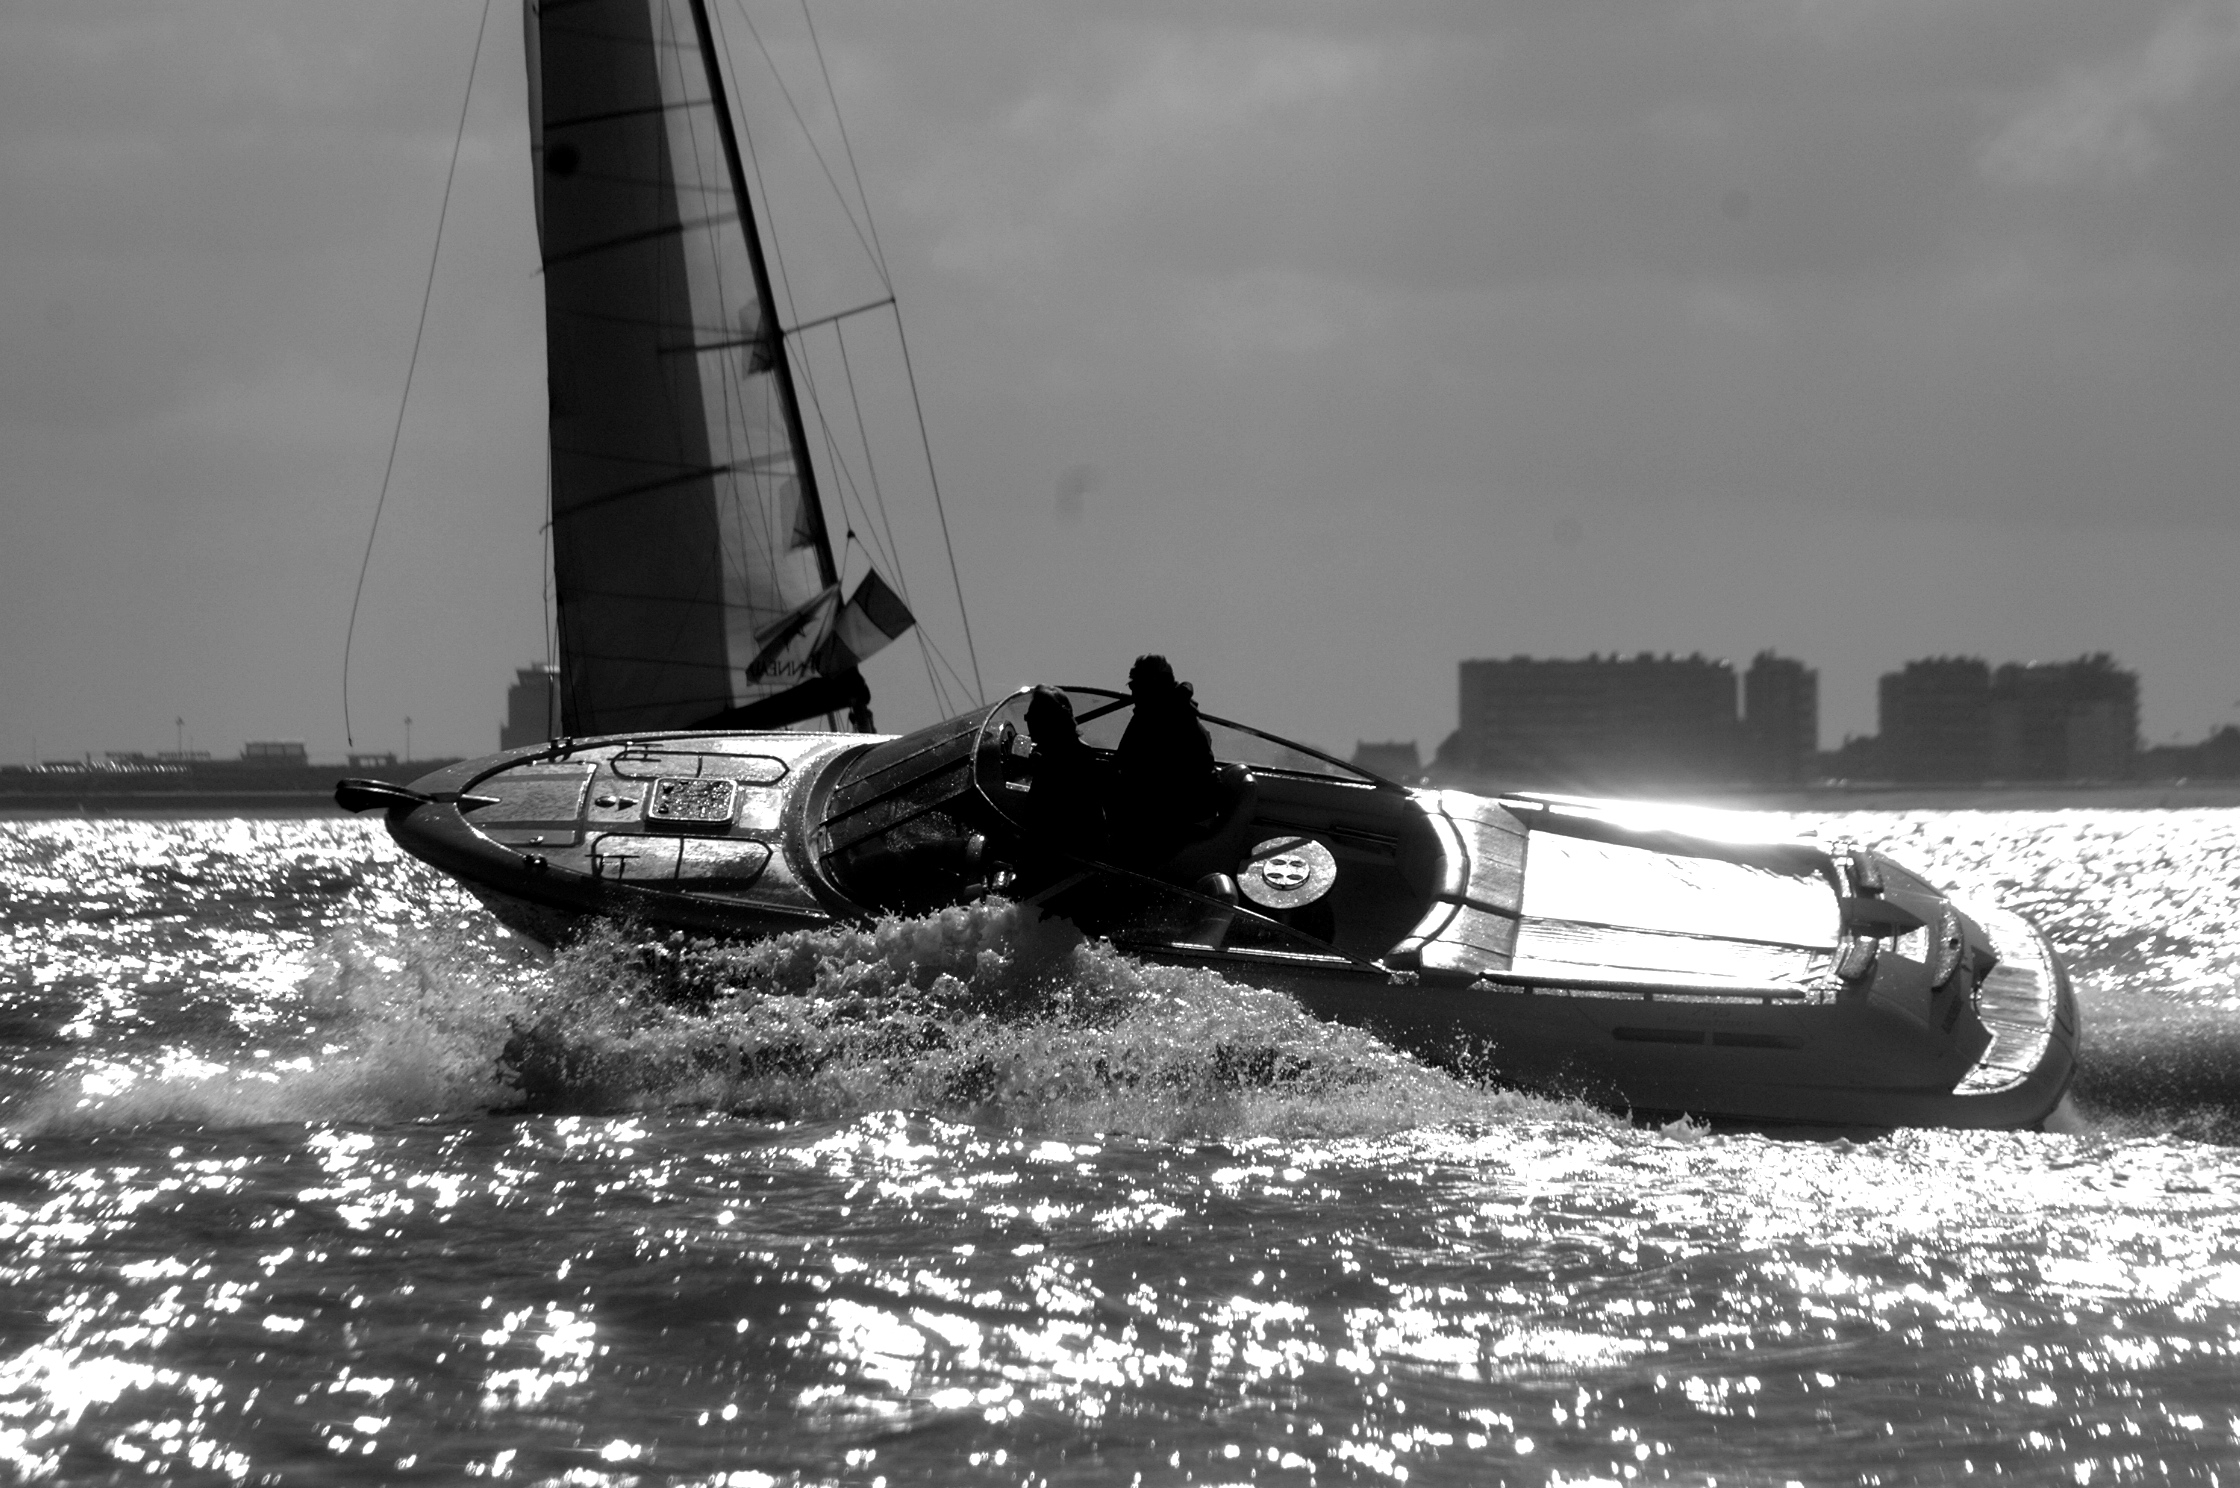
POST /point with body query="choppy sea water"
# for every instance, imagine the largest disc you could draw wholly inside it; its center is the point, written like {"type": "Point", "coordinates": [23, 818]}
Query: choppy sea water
{"type": "Point", "coordinates": [311, 1174]}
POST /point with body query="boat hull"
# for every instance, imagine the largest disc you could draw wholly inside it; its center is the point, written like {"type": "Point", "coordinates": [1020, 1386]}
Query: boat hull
{"type": "Point", "coordinates": [1846, 1064]}
{"type": "Point", "coordinates": [1530, 940]}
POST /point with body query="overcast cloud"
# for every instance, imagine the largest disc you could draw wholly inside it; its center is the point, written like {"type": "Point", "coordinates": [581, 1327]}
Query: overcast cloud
{"type": "Point", "coordinates": [1321, 347]}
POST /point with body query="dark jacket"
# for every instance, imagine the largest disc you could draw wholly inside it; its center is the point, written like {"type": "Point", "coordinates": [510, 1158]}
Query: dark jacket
{"type": "Point", "coordinates": [1066, 803]}
{"type": "Point", "coordinates": [1165, 766]}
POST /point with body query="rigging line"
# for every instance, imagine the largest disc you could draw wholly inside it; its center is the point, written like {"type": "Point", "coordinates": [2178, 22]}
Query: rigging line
{"type": "Point", "coordinates": [545, 597]}
{"type": "Point", "coordinates": [845, 484]}
{"type": "Point", "coordinates": [839, 119]}
{"type": "Point", "coordinates": [762, 187]}
{"type": "Point", "coordinates": [932, 646]}
{"type": "Point", "coordinates": [979, 692]}
{"type": "Point", "coordinates": [735, 393]}
{"type": "Point", "coordinates": [396, 434]}
{"type": "Point", "coordinates": [839, 315]}
{"type": "Point", "coordinates": [946, 664]}
{"type": "Point", "coordinates": [940, 698]}
{"type": "Point", "coordinates": [877, 261]}
{"type": "Point", "coordinates": [875, 551]}
{"type": "Point", "coordinates": [731, 389]}
{"type": "Point", "coordinates": [843, 478]}
{"type": "Point", "coordinates": [784, 283]}
{"type": "Point", "coordinates": [941, 691]}
{"type": "Point", "coordinates": [793, 312]}
{"type": "Point", "coordinates": [671, 66]}
{"type": "Point", "coordinates": [890, 546]}
{"type": "Point", "coordinates": [870, 466]}
{"type": "Point", "coordinates": [551, 616]}
{"type": "Point", "coordinates": [892, 563]}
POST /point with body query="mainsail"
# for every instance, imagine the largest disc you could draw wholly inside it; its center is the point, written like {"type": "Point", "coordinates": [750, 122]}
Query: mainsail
{"type": "Point", "coordinates": [695, 579]}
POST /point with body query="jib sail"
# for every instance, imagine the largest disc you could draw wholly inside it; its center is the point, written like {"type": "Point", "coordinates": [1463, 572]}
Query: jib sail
{"type": "Point", "coordinates": [694, 576]}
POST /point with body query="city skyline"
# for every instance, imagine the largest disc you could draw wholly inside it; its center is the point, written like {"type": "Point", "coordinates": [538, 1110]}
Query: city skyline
{"type": "Point", "coordinates": [1790, 686]}
{"type": "Point", "coordinates": [1314, 348]}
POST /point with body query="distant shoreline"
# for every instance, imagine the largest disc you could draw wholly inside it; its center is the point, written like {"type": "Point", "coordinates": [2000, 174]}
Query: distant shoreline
{"type": "Point", "coordinates": [2111, 796]}
{"type": "Point", "coordinates": [164, 805]}
{"type": "Point", "coordinates": [2127, 796]}
{"type": "Point", "coordinates": [2119, 795]}
{"type": "Point", "coordinates": [204, 788]}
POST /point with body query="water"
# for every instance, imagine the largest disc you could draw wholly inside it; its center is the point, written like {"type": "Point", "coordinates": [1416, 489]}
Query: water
{"type": "Point", "coordinates": [312, 1174]}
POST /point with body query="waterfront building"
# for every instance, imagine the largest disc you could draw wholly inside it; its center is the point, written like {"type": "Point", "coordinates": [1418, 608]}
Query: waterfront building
{"type": "Point", "coordinates": [1601, 723]}
{"type": "Point", "coordinates": [2064, 720]}
{"type": "Point", "coordinates": [1957, 719]}
{"type": "Point", "coordinates": [1780, 719]}
{"type": "Point", "coordinates": [1397, 760]}
{"type": "Point", "coordinates": [2214, 758]}
{"type": "Point", "coordinates": [532, 708]}
{"type": "Point", "coordinates": [1935, 720]}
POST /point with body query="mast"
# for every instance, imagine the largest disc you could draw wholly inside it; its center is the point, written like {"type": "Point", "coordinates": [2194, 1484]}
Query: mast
{"type": "Point", "coordinates": [780, 366]}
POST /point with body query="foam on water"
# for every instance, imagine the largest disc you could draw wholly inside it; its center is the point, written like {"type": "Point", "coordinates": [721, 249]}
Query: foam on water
{"type": "Point", "coordinates": [988, 1012]}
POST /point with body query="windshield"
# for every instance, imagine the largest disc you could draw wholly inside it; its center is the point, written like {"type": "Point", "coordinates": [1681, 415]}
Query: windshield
{"type": "Point", "coordinates": [1103, 716]}
{"type": "Point", "coordinates": [957, 809]}
{"type": "Point", "coordinates": [897, 822]}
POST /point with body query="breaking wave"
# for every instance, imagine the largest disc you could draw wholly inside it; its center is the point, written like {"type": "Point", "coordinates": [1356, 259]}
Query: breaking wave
{"type": "Point", "coordinates": [987, 1013]}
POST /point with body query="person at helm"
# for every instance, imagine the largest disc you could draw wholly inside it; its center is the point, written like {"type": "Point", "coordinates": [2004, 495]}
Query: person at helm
{"type": "Point", "coordinates": [1166, 789]}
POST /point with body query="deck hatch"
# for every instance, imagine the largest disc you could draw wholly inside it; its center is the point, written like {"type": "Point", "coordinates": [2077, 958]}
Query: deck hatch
{"type": "Point", "coordinates": [534, 807]}
{"type": "Point", "coordinates": [695, 804]}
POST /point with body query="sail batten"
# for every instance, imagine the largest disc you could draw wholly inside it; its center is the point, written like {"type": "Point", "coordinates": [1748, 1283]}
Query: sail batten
{"type": "Point", "coordinates": [627, 240]}
{"type": "Point", "coordinates": [554, 126]}
{"type": "Point", "coordinates": [688, 540]}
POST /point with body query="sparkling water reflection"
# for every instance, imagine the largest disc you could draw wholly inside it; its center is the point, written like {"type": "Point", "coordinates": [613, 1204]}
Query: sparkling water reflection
{"type": "Point", "coordinates": [280, 1203]}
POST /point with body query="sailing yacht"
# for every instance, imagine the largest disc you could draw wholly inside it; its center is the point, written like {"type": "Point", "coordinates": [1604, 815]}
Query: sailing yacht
{"type": "Point", "coordinates": [702, 621]}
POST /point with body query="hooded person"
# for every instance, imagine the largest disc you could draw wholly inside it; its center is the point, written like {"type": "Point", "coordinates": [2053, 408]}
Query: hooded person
{"type": "Point", "coordinates": [1167, 790]}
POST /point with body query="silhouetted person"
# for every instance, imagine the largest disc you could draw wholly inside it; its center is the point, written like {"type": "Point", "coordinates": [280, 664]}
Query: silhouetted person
{"type": "Point", "coordinates": [1167, 792]}
{"type": "Point", "coordinates": [1066, 801]}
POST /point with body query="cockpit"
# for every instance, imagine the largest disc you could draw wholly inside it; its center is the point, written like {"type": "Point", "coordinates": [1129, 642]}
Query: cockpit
{"type": "Point", "coordinates": [1301, 855]}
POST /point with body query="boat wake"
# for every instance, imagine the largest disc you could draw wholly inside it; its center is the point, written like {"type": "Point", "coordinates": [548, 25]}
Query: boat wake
{"type": "Point", "coordinates": [368, 1029]}
{"type": "Point", "coordinates": [2152, 1065]}
{"type": "Point", "coordinates": [987, 1013]}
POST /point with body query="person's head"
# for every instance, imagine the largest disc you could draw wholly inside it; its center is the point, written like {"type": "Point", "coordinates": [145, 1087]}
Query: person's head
{"type": "Point", "coordinates": [1050, 719]}
{"type": "Point", "coordinates": [1152, 676]}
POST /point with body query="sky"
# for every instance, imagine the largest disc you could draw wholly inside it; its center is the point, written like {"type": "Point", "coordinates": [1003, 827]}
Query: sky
{"type": "Point", "coordinates": [1320, 347]}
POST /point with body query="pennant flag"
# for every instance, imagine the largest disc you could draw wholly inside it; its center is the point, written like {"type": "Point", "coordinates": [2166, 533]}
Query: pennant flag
{"type": "Point", "coordinates": [873, 616]}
